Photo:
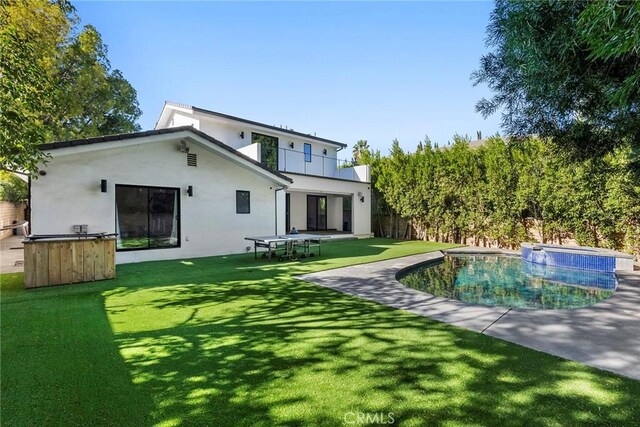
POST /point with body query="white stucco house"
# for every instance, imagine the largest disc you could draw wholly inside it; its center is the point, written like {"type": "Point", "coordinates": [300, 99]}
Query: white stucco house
{"type": "Point", "coordinates": [197, 185]}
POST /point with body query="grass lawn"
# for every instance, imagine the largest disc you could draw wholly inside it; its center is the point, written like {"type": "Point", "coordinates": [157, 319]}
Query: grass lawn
{"type": "Point", "coordinates": [233, 341]}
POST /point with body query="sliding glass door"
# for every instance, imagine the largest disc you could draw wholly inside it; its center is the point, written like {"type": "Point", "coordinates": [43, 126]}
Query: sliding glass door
{"type": "Point", "coordinates": [147, 217]}
{"type": "Point", "coordinates": [316, 212]}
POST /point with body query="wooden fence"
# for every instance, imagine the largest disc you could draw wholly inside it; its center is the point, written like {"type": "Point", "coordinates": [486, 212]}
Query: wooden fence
{"type": "Point", "coordinates": [62, 261]}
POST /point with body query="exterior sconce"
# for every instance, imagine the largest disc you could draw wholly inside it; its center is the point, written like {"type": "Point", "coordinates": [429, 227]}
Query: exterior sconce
{"type": "Point", "coordinates": [361, 196]}
{"type": "Point", "coordinates": [324, 151]}
{"type": "Point", "coordinates": [242, 135]}
{"type": "Point", "coordinates": [291, 145]}
{"type": "Point", "coordinates": [103, 185]}
{"type": "Point", "coordinates": [183, 147]}
{"type": "Point", "coordinates": [190, 191]}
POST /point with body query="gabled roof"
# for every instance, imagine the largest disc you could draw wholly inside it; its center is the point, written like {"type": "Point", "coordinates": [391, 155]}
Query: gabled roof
{"type": "Point", "coordinates": [253, 123]}
{"type": "Point", "coordinates": [142, 134]}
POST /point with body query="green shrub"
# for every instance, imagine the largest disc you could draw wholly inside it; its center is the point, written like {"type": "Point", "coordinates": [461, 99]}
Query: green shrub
{"type": "Point", "coordinates": [12, 188]}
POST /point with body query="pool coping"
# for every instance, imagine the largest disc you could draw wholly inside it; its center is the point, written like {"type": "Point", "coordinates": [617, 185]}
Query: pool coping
{"type": "Point", "coordinates": [605, 335]}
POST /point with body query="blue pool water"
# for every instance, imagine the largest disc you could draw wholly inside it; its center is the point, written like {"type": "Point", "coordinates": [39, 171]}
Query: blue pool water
{"type": "Point", "coordinates": [505, 281]}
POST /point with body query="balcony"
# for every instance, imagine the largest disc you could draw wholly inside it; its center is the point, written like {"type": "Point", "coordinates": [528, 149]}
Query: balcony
{"type": "Point", "coordinates": [295, 161]}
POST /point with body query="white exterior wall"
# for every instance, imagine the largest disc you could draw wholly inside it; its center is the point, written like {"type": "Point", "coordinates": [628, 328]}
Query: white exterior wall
{"type": "Point", "coordinates": [227, 132]}
{"type": "Point", "coordinates": [281, 217]}
{"type": "Point", "coordinates": [290, 160]}
{"type": "Point", "coordinates": [312, 178]}
{"type": "Point", "coordinates": [252, 151]}
{"type": "Point", "coordinates": [361, 211]}
{"type": "Point", "coordinates": [183, 119]}
{"type": "Point", "coordinates": [70, 194]}
{"type": "Point", "coordinates": [356, 173]}
{"type": "Point", "coordinates": [298, 214]}
{"type": "Point", "coordinates": [334, 212]}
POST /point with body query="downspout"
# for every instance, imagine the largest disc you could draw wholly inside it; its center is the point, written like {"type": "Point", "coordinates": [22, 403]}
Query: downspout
{"type": "Point", "coordinates": [284, 187]}
{"type": "Point", "coordinates": [27, 216]}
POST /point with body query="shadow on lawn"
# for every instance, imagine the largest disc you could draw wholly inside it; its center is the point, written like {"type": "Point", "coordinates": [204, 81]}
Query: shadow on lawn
{"type": "Point", "coordinates": [232, 341]}
{"type": "Point", "coordinates": [275, 350]}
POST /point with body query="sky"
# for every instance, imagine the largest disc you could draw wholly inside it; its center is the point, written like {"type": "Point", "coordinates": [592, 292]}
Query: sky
{"type": "Point", "coordinates": [343, 70]}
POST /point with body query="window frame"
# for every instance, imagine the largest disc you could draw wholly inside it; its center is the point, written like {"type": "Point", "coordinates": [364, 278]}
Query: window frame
{"type": "Point", "coordinates": [179, 214]}
{"type": "Point", "coordinates": [238, 192]}
{"type": "Point", "coordinates": [306, 144]}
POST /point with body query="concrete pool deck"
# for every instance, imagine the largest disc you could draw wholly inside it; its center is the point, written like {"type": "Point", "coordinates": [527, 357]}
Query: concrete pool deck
{"type": "Point", "coordinates": [605, 335]}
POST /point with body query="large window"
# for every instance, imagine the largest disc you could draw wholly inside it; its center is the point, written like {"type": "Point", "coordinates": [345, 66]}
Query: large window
{"type": "Point", "coordinates": [269, 149]}
{"type": "Point", "coordinates": [243, 202]}
{"type": "Point", "coordinates": [307, 152]}
{"type": "Point", "coordinates": [147, 217]}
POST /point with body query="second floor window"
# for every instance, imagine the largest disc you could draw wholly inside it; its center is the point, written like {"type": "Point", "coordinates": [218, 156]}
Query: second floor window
{"type": "Point", "coordinates": [307, 152]}
{"type": "Point", "coordinates": [268, 150]}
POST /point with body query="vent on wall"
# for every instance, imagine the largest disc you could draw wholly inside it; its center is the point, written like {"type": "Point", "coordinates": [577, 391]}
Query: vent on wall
{"type": "Point", "coordinates": [192, 159]}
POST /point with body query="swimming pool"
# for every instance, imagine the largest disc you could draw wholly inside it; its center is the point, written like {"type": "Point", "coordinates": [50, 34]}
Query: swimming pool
{"type": "Point", "coordinates": [506, 281]}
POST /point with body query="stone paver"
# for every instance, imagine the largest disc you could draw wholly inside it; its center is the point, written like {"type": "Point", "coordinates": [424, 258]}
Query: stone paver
{"type": "Point", "coordinates": [605, 335]}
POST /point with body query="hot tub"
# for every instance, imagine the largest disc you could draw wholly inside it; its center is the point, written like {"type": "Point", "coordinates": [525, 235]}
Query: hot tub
{"type": "Point", "coordinates": [583, 258]}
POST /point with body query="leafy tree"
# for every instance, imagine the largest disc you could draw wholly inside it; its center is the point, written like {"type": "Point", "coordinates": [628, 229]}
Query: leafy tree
{"type": "Point", "coordinates": [565, 70]}
{"type": "Point", "coordinates": [12, 188]}
{"type": "Point", "coordinates": [24, 89]}
{"type": "Point", "coordinates": [359, 149]}
{"type": "Point", "coordinates": [56, 82]}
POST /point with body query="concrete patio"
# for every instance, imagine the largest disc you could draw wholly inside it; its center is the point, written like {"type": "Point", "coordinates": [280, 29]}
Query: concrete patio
{"type": "Point", "coordinates": [605, 335]}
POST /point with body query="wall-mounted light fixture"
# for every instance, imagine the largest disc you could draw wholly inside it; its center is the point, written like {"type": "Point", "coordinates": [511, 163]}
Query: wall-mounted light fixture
{"type": "Point", "coordinates": [103, 185]}
{"type": "Point", "coordinates": [291, 145]}
{"type": "Point", "coordinates": [183, 147]}
{"type": "Point", "coordinates": [242, 135]}
{"type": "Point", "coordinates": [324, 151]}
{"type": "Point", "coordinates": [190, 191]}
{"type": "Point", "coordinates": [361, 196]}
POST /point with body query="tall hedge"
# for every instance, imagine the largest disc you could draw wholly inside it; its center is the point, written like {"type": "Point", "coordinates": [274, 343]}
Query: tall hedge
{"type": "Point", "coordinates": [503, 194]}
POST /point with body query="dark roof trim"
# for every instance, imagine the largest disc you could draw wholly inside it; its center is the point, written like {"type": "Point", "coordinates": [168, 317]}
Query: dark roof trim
{"type": "Point", "coordinates": [133, 135]}
{"type": "Point", "coordinates": [251, 122]}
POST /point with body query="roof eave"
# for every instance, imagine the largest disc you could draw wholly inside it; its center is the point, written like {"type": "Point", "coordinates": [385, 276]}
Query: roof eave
{"type": "Point", "coordinates": [150, 133]}
{"type": "Point", "coordinates": [266, 126]}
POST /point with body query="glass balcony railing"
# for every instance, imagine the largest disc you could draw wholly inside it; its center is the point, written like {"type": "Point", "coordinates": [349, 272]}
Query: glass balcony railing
{"type": "Point", "coordinates": [295, 161]}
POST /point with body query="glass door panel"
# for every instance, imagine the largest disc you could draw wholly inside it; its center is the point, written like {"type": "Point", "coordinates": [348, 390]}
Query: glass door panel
{"type": "Point", "coordinates": [316, 213]}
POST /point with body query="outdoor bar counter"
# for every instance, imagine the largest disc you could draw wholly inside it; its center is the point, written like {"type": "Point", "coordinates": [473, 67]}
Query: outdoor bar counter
{"type": "Point", "coordinates": [58, 260]}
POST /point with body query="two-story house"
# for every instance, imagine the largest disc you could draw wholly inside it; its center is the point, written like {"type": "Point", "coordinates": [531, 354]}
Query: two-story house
{"type": "Point", "coordinates": [197, 185]}
{"type": "Point", "coordinates": [323, 195]}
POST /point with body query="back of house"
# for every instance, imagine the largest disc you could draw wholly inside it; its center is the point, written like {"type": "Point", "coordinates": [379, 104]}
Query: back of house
{"type": "Point", "coordinates": [197, 185]}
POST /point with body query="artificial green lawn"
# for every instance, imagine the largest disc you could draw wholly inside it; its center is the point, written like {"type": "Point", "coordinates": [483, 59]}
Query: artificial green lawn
{"type": "Point", "coordinates": [233, 341]}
